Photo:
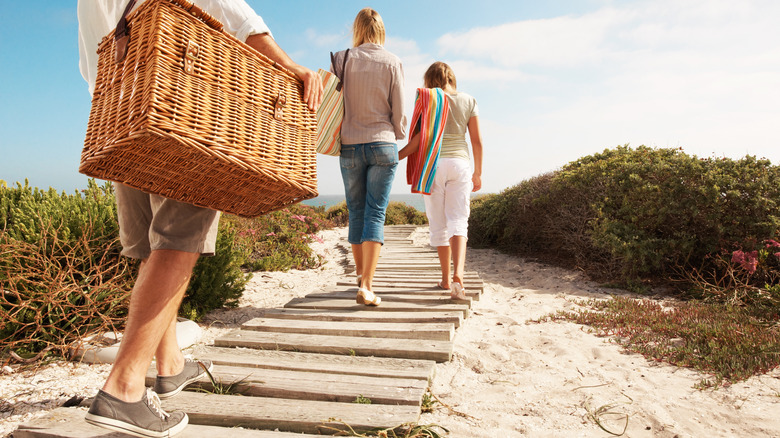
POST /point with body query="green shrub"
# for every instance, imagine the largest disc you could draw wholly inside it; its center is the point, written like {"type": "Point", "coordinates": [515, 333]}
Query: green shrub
{"type": "Point", "coordinates": [338, 214]}
{"type": "Point", "coordinates": [61, 275]}
{"type": "Point", "coordinates": [217, 281]}
{"type": "Point", "coordinates": [399, 213]}
{"type": "Point", "coordinates": [280, 240]}
{"type": "Point", "coordinates": [637, 213]}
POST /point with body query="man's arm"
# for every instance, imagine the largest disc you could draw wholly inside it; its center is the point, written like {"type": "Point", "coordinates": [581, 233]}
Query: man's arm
{"type": "Point", "coordinates": [312, 83]}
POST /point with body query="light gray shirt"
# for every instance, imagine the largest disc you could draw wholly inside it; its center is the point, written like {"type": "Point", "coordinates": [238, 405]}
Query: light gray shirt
{"type": "Point", "coordinates": [373, 95]}
{"type": "Point", "coordinates": [462, 108]}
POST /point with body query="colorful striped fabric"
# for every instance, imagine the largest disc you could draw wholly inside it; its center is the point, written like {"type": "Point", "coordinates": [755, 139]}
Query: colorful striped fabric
{"type": "Point", "coordinates": [330, 114]}
{"type": "Point", "coordinates": [430, 113]}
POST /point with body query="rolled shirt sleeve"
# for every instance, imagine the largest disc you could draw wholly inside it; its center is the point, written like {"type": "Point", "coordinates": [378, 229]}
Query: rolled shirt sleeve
{"type": "Point", "coordinates": [97, 18]}
{"type": "Point", "coordinates": [237, 17]}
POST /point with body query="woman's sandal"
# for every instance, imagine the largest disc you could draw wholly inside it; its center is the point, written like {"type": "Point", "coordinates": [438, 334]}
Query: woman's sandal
{"type": "Point", "coordinates": [366, 297]}
{"type": "Point", "coordinates": [441, 286]}
{"type": "Point", "coordinates": [359, 278]}
{"type": "Point", "coordinates": [457, 292]}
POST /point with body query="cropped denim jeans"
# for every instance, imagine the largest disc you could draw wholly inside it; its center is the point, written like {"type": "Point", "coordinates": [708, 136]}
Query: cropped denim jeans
{"type": "Point", "coordinates": [368, 170]}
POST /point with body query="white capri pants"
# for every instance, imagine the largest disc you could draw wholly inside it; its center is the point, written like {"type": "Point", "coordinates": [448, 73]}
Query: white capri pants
{"type": "Point", "coordinates": [448, 205]}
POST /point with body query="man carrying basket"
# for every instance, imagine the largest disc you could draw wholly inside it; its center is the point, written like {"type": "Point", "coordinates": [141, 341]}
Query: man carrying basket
{"type": "Point", "coordinates": [168, 236]}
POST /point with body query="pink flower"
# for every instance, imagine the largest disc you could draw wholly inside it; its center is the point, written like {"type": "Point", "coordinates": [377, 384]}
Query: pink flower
{"type": "Point", "coordinates": [299, 217]}
{"type": "Point", "coordinates": [270, 235]}
{"type": "Point", "coordinates": [777, 254]}
{"type": "Point", "coordinates": [317, 238]}
{"type": "Point", "coordinates": [772, 243]}
{"type": "Point", "coordinates": [748, 260]}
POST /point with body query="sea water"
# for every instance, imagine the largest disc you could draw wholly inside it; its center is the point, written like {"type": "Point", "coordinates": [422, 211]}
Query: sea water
{"type": "Point", "coordinates": [410, 199]}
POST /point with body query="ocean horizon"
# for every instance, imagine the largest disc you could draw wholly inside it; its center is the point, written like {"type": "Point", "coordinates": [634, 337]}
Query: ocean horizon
{"type": "Point", "coordinates": [328, 201]}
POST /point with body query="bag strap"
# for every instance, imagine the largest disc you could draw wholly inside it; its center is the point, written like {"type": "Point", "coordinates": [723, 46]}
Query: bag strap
{"type": "Point", "coordinates": [121, 37]}
{"type": "Point", "coordinates": [341, 76]}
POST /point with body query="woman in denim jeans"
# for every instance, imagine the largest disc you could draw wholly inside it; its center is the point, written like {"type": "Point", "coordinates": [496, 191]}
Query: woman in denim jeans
{"type": "Point", "coordinates": [373, 121]}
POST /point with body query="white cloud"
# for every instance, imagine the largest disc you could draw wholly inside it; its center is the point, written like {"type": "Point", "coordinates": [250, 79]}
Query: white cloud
{"type": "Point", "coordinates": [700, 74]}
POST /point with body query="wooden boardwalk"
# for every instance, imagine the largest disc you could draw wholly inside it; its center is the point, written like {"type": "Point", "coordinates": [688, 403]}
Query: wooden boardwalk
{"type": "Point", "coordinates": [301, 369]}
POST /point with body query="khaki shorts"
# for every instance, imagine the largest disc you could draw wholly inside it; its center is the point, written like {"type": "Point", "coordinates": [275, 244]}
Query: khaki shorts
{"type": "Point", "coordinates": [151, 222]}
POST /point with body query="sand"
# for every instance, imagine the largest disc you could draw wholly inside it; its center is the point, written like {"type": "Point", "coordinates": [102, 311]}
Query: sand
{"type": "Point", "coordinates": [509, 376]}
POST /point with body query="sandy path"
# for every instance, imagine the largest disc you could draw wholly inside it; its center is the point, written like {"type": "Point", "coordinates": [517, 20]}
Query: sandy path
{"type": "Point", "coordinates": [509, 377]}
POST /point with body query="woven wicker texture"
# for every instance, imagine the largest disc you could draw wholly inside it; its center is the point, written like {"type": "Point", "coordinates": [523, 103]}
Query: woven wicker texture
{"type": "Point", "coordinates": [213, 137]}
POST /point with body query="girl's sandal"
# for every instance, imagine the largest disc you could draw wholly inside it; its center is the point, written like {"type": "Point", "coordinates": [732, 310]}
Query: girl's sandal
{"type": "Point", "coordinates": [359, 278]}
{"type": "Point", "coordinates": [441, 286]}
{"type": "Point", "coordinates": [367, 298]}
{"type": "Point", "coordinates": [457, 292]}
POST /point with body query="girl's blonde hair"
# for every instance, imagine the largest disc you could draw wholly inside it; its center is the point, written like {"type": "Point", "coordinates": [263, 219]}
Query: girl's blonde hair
{"type": "Point", "coordinates": [368, 28]}
{"type": "Point", "coordinates": [438, 75]}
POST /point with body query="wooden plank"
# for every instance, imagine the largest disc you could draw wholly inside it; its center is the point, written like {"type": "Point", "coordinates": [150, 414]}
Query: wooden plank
{"type": "Point", "coordinates": [301, 416]}
{"type": "Point", "coordinates": [346, 305]}
{"type": "Point", "coordinates": [70, 423]}
{"type": "Point", "coordinates": [417, 283]}
{"type": "Point", "coordinates": [383, 290]}
{"type": "Point", "coordinates": [364, 329]}
{"type": "Point", "coordinates": [439, 351]}
{"type": "Point", "coordinates": [474, 294]}
{"type": "Point", "coordinates": [453, 317]}
{"type": "Point", "coordinates": [328, 363]}
{"type": "Point", "coordinates": [308, 385]}
{"type": "Point", "coordinates": [433, 299]}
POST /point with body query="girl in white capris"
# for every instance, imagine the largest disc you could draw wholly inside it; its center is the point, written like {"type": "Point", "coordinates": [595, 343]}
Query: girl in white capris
{"type": "Point", "coordinates": [447, 207]}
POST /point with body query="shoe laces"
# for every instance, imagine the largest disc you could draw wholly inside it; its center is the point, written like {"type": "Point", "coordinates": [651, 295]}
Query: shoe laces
{"type": "Point", "coordinates": [154, 402]}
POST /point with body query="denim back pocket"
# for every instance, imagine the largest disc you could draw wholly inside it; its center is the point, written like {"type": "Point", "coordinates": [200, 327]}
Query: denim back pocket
{"type": "Point", "coordinates": [347, 157]}
{"type": "Point", "coordinates": [385, 154]}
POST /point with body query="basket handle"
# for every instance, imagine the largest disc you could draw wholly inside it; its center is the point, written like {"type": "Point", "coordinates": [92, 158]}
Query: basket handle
{"type": "Point", "coordinates": [122, 34]}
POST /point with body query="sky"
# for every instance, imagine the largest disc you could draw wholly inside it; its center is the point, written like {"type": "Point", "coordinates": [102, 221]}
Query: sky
{"type": "Point", "coordinates": [555, 80]}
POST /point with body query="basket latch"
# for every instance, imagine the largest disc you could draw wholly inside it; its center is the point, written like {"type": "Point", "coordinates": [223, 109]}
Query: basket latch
{"type": "Point", "coordinates": [279, 106]}
{"type": "Point", "coordinates": [190, 55]}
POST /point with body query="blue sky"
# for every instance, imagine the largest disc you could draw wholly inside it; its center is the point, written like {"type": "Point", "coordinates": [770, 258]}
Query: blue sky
{"type": "Point", "coordinates": [555, 80]}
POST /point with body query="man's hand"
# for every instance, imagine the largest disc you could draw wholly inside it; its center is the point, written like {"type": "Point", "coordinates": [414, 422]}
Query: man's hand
{"type": "Point", "coordinates": [312, 87]}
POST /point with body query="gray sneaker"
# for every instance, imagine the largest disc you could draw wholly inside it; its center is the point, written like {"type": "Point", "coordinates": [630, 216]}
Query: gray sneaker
{"type": "Point", "coordinates": [144, 418]}
{"type": "Point", "coordinates": [169, 386]}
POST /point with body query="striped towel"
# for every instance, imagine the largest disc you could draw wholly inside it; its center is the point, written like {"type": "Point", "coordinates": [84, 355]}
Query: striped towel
{"type": "Point", "coordinates": [430, 113]}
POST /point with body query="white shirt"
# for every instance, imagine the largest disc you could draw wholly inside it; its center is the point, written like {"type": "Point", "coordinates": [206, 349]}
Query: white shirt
{"type": "Point", "coordinates": [97, 18]}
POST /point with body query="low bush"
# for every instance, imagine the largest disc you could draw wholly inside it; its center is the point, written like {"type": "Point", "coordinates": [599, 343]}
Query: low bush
{"type": "Point", "coordinates": [279, 241]}
{"type": "Point", "coordinates": [635, 214]}
{"type": "Point", "coordinates": [61, 275]}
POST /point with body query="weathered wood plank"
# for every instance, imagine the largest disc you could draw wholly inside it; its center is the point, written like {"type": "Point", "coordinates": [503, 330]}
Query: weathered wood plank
{"type": "Point", "coordinates": [307, 385]}
{"type": "Point", "coordinates": [364, 329]}
{"type": "Point", "coordinates": [439, 351]}
{"type": "Point", "coordinates": [328, 363]}
{"type": "Point", "coordinates": [453, 317]}
{"type": "Point", "coordinates": [416, 284]}
{"type": "Point", "coordinates": [301, 416]}
{"type": "Point", "coordinates": [390, 297]}
{"type": "Point", "coordinates": [70, 423]}
{"type": "Point", "coordinates": [346, 305]}
{"type": "Point", "coordinates": [474, 294]}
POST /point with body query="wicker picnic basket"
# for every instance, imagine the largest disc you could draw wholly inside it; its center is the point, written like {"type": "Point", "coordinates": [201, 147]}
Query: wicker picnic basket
{"type": "Point", "coordinates": [195, 115]}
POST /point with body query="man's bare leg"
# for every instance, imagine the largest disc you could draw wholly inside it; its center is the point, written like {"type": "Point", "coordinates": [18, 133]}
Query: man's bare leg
{"type": "Point", "coordinates": [154, 304]}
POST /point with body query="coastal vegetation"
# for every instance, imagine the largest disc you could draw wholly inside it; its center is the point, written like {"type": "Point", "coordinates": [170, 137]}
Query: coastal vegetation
{"type": "Point", "coordinates": [690, 245]}
{"type": "Point", "coordinates": [62, 277]}
{"type": "Point", "coordinates": [697, 235]}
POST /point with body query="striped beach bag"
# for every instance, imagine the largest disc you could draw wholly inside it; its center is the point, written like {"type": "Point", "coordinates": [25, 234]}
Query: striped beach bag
{"type": "Point", "coordinates": [330, 114]}
{"type": "Point", "coordinates": [430, 114]}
